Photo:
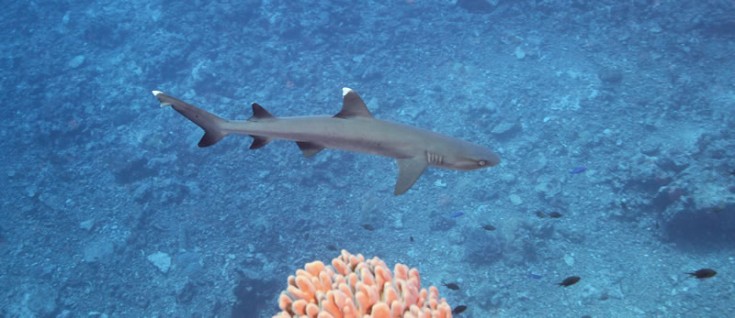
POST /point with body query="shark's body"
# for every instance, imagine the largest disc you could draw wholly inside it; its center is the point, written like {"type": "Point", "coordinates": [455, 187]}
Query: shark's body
{"type": "Point", "coordinates": [353, 128]}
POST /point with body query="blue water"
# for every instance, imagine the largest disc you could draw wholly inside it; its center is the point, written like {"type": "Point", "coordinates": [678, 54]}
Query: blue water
{"type": "Point", "coordinates": [98, 181]}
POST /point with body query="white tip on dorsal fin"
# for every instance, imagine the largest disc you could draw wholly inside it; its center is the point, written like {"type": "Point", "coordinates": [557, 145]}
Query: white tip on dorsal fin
{"type": "Point", "coordinates": [352, 105]}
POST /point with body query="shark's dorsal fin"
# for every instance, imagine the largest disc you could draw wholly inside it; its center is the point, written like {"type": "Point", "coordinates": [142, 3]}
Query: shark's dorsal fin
{"type": "Point", "coordinates": [260, 113]}
{"type": "Point", "coordinates": [309, 148]}
{"type": "Point", "coordinates": [409, 170]}
{"type": "Point", "coordinates": [352, 105]}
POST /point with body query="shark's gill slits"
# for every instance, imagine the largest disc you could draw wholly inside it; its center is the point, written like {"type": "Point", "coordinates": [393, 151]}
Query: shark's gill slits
{"type": "Point", "coordinates": [434, 159]}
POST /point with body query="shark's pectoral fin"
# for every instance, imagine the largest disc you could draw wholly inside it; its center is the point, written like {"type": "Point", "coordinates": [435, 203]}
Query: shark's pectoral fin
{"type": "Point", "coordinates": [409, 170]}
{"type": "Point", "coordinates": [309, 148]}
{"type": "Point", "coordinates": [259, 142]}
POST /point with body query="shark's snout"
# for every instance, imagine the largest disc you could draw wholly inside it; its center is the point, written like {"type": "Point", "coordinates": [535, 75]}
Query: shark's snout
{"type": "Point", "coordinates": [492, 159]}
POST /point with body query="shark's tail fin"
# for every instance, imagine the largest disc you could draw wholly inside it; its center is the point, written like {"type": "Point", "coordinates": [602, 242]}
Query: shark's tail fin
{"type": "Point", "coordinates": [211, 123]}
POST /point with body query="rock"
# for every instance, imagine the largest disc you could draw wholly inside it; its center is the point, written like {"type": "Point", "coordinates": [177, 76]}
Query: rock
{"type": "Point", "coordinates": [96, 251]}
{"type": "Point", "coordinates": [160, 260]}
{"type": "Point", "coordinates": [673, 162]}
{"type": "Point", "coordinates": [31, 300]}
{"type": "Point", "coordinates": [189, 264]}
{"type": "Point", "coordinates": [505, 129]}
{"type": "Point", "coordinates": [515, 199]}
{"type": "Point", "coordinates": [651, 149]}
{"type": "Point", "coordinates": [76, 61]}
{"type": "Point", "coordinates": [569, 259]}
{"type": "Point", "coordinates": [87, 225]}
{"type": "Point", "coordinates": [507, 177]}
{"type": "Point", "coordinates": [610, 76]}
{"type": "Point", "coordinates": [519, 53]}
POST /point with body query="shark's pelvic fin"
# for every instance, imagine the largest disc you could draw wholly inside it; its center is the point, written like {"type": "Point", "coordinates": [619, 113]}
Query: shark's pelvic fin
{"type": "Point", "coordinates": [309, 148]}
{"type": "Point", "coordinates": [409, 170]}
{"type": "Point", "coordinates": [259, 142]}
{"type": "Point", "coordinates": [352, 105]}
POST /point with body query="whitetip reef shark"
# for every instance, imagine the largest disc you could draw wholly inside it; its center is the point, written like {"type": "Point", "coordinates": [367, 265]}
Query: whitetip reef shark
{"type": "Point", "coordinates": [354, 128]}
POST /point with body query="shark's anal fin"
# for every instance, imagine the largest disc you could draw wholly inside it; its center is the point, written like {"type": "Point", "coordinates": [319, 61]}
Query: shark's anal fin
{"type": "Point", "coordinates": [309, 148]}
{"type": "Point", "coordinates": [409, 170]}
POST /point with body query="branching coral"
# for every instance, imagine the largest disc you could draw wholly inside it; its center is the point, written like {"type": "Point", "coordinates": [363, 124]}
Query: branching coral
{"type": "Point", "coordinates": [355, 288]}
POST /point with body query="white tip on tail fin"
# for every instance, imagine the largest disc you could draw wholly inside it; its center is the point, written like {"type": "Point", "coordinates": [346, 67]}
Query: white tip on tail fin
{"type": "Point", "coordinates": [346, 90]}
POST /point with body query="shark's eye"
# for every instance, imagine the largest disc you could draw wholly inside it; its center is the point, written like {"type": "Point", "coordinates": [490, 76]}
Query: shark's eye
{"type": "Point", "coordinates": [481, 163]}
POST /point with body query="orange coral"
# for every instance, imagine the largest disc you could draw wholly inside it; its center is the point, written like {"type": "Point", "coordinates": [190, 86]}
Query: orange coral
{"type": "Point", "coordinates": [355, 288]}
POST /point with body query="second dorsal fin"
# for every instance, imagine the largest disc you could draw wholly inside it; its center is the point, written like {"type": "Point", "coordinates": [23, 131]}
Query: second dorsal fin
{"type": "Point", "coordinates": [352, 105]}
{"type": "Point", "coordinates": [260, 113]}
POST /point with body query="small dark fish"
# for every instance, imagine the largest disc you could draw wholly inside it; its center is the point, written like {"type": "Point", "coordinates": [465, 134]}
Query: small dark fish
{"type": "Point", "coordinates": [540, 214]}
{"type": "Point", "coordinates": [578, 170]}
{"type": "Point", "coordinates": [368, 227]}
{"type": "Point", "coordinates": [554, 215]}
{"type": "Point", "coordinates": [457, 214]}
{"type": "Point", "coordinates": [410, 238]}
{"type": "Point", "coordinates": [488, 227]}
{"type": "Point", "coordinates": [569, 281]}
{"type": "Point", "coordinates": [459, 309]}
{"type": "Point", "coordinates": [703, 273]}
{"type": "Point", "coordinates": [332, 247]}
{"type": "Point", "coordinates": [452, 286]}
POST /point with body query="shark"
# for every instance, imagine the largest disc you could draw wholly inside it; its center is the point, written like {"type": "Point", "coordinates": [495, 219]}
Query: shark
{"type": "Point", "coordinates": [353, 128]}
